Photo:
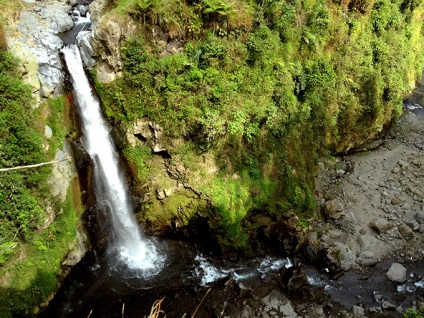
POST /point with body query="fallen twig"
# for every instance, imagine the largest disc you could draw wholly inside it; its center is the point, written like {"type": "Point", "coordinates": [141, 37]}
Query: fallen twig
{"type": "Point", "coordinates": [34, 166]}
{"type": "Point", "coordinates": [197, 308]}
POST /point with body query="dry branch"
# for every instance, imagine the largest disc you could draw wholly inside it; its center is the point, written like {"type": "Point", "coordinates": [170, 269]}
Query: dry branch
{"type": "Point", "coordinates": [34, 166]}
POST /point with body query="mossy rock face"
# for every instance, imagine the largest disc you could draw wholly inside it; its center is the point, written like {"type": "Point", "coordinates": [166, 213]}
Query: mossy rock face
{"type": "Point", "coordinates": [169, 213]}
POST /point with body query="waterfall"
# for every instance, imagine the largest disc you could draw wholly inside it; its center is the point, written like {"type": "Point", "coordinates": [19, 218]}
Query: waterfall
{"type": "Point", "coordinates": [111, 191]}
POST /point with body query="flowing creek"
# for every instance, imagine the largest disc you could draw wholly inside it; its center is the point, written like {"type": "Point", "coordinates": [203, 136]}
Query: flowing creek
{"type": "Point", "coordinates": [134, 271]}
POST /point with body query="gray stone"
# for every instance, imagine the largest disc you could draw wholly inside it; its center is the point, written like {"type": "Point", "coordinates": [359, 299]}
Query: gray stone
{"type": "Point", "coordinates": [334, 210]}
{"type": "Point", "coordinates": [83, 41]}
{"type": "Point", "coordinates": [104, 73]}
{"type": "Point", "coordinates": [366, 258]}
{"type": "Point", "coordinates": [342, 255]}
{"type": "Point", "coordinates": [51, 80]}
{"type": "Point", "coordinates": [375, 309]}
{"type": "Point", "coordinates": [380, 225]}
{"type": "Point", "coordinates": [48, 132]}
{"type": "Point", "coordinates": [395, 201]}
{"type": "Point", "coordinates": [62, 173]}
{"type": "Point", "coordinates": [366, 241]}
{"type": "Point", "coordinates": [413, 224]}
{"type": "Point", "coordinates": [396, 273]}
{"type": "Point", "coordinates": [387, 305]}
{"type": "Point", "coordinates": [58, 17]}
{"type": "Point", "coordinates": [358, 311]}
{"type": "Point", "coordinates": [405, 231]}
{"type": "Point", "coordinates": [277, 305]}
{"type": "Point", "coordinates": [419, 217]}
{"type": "Point", "coordinates": [334, 234]}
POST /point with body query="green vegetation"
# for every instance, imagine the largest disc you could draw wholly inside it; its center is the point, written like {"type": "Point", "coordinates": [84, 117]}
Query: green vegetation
{"type": "Point", "coordinates": [30, 251]}
{"type": "Point", "coordinates": [267, 87]}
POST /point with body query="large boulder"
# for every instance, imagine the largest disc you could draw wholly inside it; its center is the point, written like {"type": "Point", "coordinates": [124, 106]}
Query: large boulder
{"type": "Point", "coordinates": [58, 17]}
{"type": "Point", "coordinates": [396, 273]}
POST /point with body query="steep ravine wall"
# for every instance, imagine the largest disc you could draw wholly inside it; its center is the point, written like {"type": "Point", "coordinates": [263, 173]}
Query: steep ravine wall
{"type": "Point", "coordinates": [228, 126]}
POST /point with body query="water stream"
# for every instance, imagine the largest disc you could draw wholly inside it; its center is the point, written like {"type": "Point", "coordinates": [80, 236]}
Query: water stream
{"type": "Point", "coordinates": [127, 244]}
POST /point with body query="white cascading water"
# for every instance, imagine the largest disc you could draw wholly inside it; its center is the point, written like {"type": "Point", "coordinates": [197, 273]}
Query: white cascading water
{"type": "Point", "coordinates": [134, 250]}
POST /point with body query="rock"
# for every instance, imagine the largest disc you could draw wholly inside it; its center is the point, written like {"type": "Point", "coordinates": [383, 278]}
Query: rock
{"type": "Point", "coordinates": [28, 65]}
{"type": "Point", "coordinates": [58, 17]}
{"type": "Point", "coordinates": [104, 73]}
{"type": "Point", "coordinates": [51, 80]}
{"type": "Point", "coordinates": [342, 255]}
{"type": "Point", "coordinates": [366, 258]}
{"type": "Point", "coordinates": [48, 132]}
{"type": "Point", "coordinates": [83, 41]}
{"type": "Point", "coordinates": [366, 241]}
{"type": "Point", "coordinates": [247, 312]}
{"type": "Point", "coordinates": [334, 210]}
{"type": "Point", "coordinates": [405, 231]}
{"type": "Point", "coordinates": [277, 305]}
{"type": "Point", "coordinates": [161, 194]}
{"type": "Point", "coordinates": [419, 217]}
{"type": "Point", "coordinates": [108, 33]}
{"type": "Point", "coordinates": [378, 297]}
{"type": "Point", "coordinates": [62, 173]}
{"type": "Point", "coordinates": [96, 9]}
{"type": "Point", "coordinates": [83, 9]}
{"type": "Point", "coordinates": [387, 305]}
{"type": "Point", "coordinates": [376, 309]}
{"type": "Point", "coordinates": [396, 273]}
{"type": "Point", "coordinates": [413, 224]}
{"type": "Point", "coordinates": [358, 311]}
{"type": "Point", "coordinates": [395, 201]}
{"type": "Point", "coordinates": [334, 234]}
{"type": "Point", "coordinates": [380, 225]}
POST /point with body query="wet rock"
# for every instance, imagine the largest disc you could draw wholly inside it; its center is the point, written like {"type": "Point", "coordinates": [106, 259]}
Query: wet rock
{"type": "Point", "coordinates": [380, 225]}
{"type": "Point", "coordinates": [396, 273]}
{"type": "Point", "coordinates": [277, 305]}
{"type": "Point", "coordinates": [366, 258]}
{"type": "Point", "coordinates": [405, 231]}
{"type": "Point", "coordinates": [83, 41]}
{"type": "Point", "coordinates": [358, 311]}
{"type": "Point", "coordinates": [334, 210]}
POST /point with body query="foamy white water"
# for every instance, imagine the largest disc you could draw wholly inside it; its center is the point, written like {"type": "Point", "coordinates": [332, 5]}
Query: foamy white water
{"type": "Point", "coordinates": [111, 191]}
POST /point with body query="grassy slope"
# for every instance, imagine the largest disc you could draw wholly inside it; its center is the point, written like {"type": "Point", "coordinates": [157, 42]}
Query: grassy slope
{"type": "Point", "coordinates": [268, 88]}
